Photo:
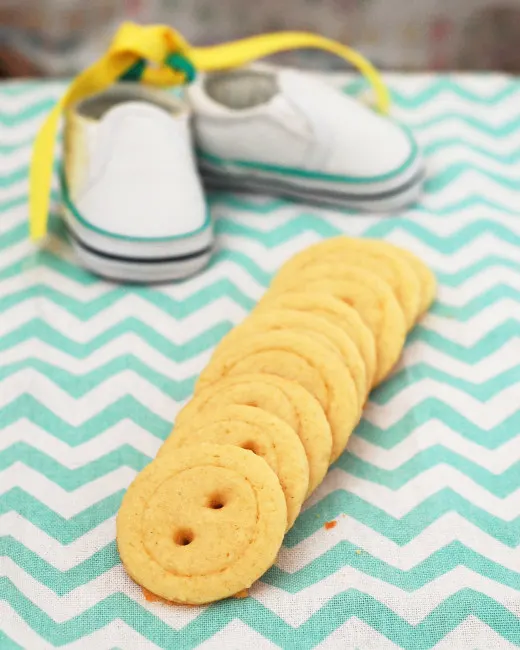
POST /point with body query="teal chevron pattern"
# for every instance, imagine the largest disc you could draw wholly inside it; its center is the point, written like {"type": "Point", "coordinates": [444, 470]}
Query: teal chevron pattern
{"type": "Point", "coordinates": [426, 550]}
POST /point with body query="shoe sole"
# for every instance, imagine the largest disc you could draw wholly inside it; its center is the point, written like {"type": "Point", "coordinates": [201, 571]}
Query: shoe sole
{"type": "Point", "coordinates": [138, 270]}
{"type": "Point", "coordinates": [392, 195]}
{"type": "Point", "coordinates": [139, 262]}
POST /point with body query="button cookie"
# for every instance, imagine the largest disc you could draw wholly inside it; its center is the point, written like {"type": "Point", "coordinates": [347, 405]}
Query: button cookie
{"type": "Point", "coordinates": [300, 358]}
{"type": "Point", "coordinates": [376, 304]}
{"type": "Point", "coordinates": [376, 256]}
{"type": "Point", "coordinates": [336, 312]}
{"type": "Point", "coordinates": [286, 399]}
{"type": "Point", "coordinates": [315, 326]}
{"type": "Point", "coordinates": [202, 524]}
{"type": "Point", "coordinates": [259, 431]}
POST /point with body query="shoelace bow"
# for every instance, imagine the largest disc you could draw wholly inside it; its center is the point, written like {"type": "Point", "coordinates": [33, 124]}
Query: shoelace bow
{"type": "Point", "coordinates": [174, 62]}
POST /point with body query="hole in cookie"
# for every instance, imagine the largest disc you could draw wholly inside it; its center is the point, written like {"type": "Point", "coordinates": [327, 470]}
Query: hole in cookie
{"type": "Point", "coordinates": [183, 537]}
{"type": "Point", "coordinates": [216, 502]}
{"type": "Point", "coordinates": [250, 446]}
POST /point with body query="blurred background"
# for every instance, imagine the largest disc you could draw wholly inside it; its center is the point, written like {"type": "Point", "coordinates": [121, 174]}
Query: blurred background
{"type": "Point", "coordinates": [60, 37]}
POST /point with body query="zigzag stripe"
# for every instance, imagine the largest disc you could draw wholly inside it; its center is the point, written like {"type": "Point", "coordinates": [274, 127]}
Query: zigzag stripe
{"type": "Point", "coordinates": [73, 478]}
{"type": "Point", "coordinates": [18, 88]}
{"type": "Point", "coordinates": [77, 385]}
{"type": "Point", "coordinates": [506, 158]}
{"type": "Point", "coordinates": [70, 478]}
{"type": "Point", "coordinates": [466, 240]}
{"type": "Point", "coordinates": [180, 309]}
{"type": "Point", "coordinates": [457, 278]}
{"type": "Point", "coordinates": [10, 120]}
{"type": "Point", "coordinates": [64, 530]}
{"type": "Point", "coordinates": [118, 634]}
{"type": "Point", "coordinates": [128, 408]}
{"type": "Point", "coordinates": [37, 329]}
{"type": "Point", "coordinates": [434, 409]}
{"type": "Point", "coordinates": [224, 310]}
{"type": "Point", "coordinates": [432, 434]}
{"type": "Point", "coordinates": [429, 435]}
{"type": "Point", "coordinates": [271, 205]}
{"type": "Point", "coordinates": [448, 615]}
{"type": "Point", "coordinates": [125, 408]}
{"type": "Point", "coordinates": [448, 529]}
{"type": "Point", "coordinates": [503, 130]}
{"type": "Point", "coordinates": [400, 530]}
{"type": "Point", "coordinates": [7, 643]}
{"type": "Point", "coordinates": [445, 531]}
{"type": "Point", "coordinates": [177, 309]}
{"type": "Point", "coordinates": [472, 352]}
{"type": "Point", "coordinates": [72, 271]}
{"type": "Point", "coordinates": [36, 339]}
{"type": "Point", "coordinates": [80, 386]}
{"type": "Point", "coordinates": [500, 485]}
{"type": "Point", "coordinates": [404, 529]}
{"type": "Point", "coordinates": [435, 89]}
{"type": "Point", "coordinates": [163, 394]}
{"type": "Point", "coordinates": [445, 244]}
{"type": "Point", "coordinates": [7, 150]}
{"type": "Point", "coordinates": [244, 259]}
{"type": "Point", "coordinates": [438, 564]}
{"type": "Point", "coordinates": [507, 110]}
{"type": "Point", "coordinates": [397, 503]}
{"type": "Point", "coordinates": [482, 391]}
{"type": "Point", "coordinates": [469, 160]}
{"type": "Point", "coordinates": [451, 174]}
{"type": "Point", "coordinates": [77, 454]}
{"type": "Point", "coordinates": [413, 607]}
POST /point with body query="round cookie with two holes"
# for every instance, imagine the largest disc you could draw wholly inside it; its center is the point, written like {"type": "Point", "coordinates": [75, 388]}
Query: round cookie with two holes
{"type": "Point", "coordinates": [300, 358]}
{"type": "Point", "coordinates": [310, 324]}
{"type": "Point", "coordinates": [260, 432]}
{"type": "Point", "coordinates": [371, 297]}
{"type": "Point", "coordinates": [376, 256]}
{"type": "Point", "coordinates": [336, 312]}
{"type": "Point", "coordinates": [281, 397]}
{"type": "Point", "coordinates": [201, 525]}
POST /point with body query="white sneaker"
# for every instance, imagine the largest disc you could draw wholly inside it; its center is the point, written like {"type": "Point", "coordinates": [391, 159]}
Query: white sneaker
{"type": "Point", "coordinates": [287, 133]}
{"type": "Point", "coordinates": [133, 200]}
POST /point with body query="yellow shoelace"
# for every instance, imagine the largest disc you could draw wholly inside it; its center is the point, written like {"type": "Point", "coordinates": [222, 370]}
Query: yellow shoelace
{"type": "Point", "coordinates": [173, 60]}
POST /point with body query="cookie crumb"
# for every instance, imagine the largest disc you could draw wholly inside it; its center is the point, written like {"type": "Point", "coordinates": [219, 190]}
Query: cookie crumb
{"type": "Point", "coordinates": [242, 594]}
{"type": "Point", "coordinates": [359, 551]}
{"type": "Point", "coordinates": [330, 524]}
{"type": "Point", "coordinates": [152, 598]}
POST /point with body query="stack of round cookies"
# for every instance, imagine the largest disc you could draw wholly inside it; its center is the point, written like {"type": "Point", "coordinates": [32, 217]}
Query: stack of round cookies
{"type": "Point", "coordinates": [274, 408]}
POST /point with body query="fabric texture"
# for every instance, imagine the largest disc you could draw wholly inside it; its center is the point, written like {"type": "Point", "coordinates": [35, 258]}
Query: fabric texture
{"type": "Point", "coordinates": [425, 550]}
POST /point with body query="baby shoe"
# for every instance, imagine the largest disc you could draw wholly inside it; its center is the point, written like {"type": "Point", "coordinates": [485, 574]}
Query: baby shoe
{"type": "Point", "coordinates": [132, 198]}
{"type": "Point", "coordinates": [288, 133]}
